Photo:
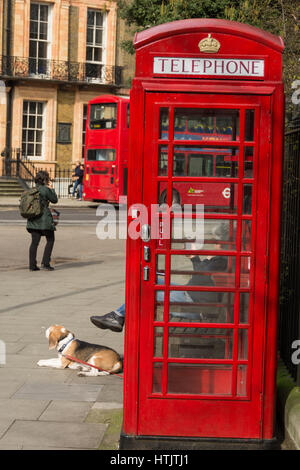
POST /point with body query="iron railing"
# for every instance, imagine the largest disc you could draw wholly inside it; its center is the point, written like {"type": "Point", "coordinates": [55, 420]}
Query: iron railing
{"type": "Point", "coordinates": [17, 165]}
{"type": "Point", "coordinates": [289, 319]}
{"type": "Point", "coordinates": [59, 70]}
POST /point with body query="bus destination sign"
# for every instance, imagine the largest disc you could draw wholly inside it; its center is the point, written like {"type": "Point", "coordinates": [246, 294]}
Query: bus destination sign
{"type": "Point", "coordinates": [209, 67]}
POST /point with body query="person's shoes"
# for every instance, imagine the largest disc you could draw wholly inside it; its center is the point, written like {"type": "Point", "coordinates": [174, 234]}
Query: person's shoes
{"type": "Point", "coordinates": [111, 321]}
{"type": "Point", "coordinates": [47, 267]}
{"type": "Point", "coordinates": [34, 269]}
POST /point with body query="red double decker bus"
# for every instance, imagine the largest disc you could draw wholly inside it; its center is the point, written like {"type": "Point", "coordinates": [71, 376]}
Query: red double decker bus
{"type": "Point", "coordinates": [206, 145]}
{"type": "Point", "coordinates": [106, 149]}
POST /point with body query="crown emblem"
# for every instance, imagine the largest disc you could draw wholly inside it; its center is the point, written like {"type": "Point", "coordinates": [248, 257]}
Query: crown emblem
{"type": "Point", "coordinates": [209, 44]}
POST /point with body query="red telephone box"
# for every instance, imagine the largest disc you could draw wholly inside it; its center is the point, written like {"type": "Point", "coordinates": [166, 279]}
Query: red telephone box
{"type": "Point", "coordinates": [206, 110]}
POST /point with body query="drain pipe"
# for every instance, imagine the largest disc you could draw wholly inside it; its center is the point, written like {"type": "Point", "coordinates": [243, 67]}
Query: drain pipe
{"type": "Point", "coordinates": [9, 84]}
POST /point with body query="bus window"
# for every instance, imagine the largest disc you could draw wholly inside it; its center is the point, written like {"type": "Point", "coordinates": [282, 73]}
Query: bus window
{"type": "Point", "coordinates": [225, 167]}
{"type": "Point", "coordinates": [199, 124]}
{"type": "Point", "coordinates": [108, 155]}
{"type": "Point", "coordinates": [103, 116]}
{"type": "Point", "coordinates": [200, 165]}
{"type": "Point", "coordinates": [179, 164]}
{"type": "Point", "coordinates": [164, 123]}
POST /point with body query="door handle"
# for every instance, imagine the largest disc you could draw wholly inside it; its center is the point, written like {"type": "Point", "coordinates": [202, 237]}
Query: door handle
{"type": "Point", "coordinates": [146, 233]}
{"type": "Point", "coordinates": [146, 273]}
{"type": "Point", "coordinates": [146, 253]}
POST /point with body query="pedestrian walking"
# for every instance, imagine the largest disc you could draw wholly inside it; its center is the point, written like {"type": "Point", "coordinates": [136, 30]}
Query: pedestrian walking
{"type": "Point", "coordinates": [78, 175]}
{"type": "Point", "coordinates": [42, 225]}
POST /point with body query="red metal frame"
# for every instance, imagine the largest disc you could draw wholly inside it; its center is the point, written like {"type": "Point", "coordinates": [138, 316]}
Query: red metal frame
{"type": "Point", "coordinates": [107, 180]}
{"type": "Point", "coordinates": [251, 416]}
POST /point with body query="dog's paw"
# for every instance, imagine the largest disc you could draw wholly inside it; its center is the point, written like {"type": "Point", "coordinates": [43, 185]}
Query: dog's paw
{"type": "Point", "coordinates": [41, 363]}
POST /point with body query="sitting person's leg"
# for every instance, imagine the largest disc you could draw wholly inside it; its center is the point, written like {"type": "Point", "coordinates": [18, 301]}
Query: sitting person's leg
{"type": "Point", "coordinates": [113, 320]}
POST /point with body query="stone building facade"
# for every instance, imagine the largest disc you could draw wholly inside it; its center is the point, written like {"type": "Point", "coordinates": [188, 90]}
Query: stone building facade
{"type": "Point", "coordinates": [56, 55]}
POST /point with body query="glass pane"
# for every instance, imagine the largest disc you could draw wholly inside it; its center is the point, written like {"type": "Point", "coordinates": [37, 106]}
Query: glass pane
{"type": "Point", "coordinates": [204, 124]}
{"type": "Point", "coordinates": [202, 271]}
{"type": "Point", "coordinates": [158, 341]}
{"type": "Point", "coordinates": [38, 150]}
{"type": "Point", "coordinates": [205, 162]}
{"type": "Point", "coordinates": [217, 235]}
{"type": "Point", "coordinates": [98, 38]}
{"type": "Point", "coordinates": [159, 306]}
{"type": "Point", "coordinates": [103, 116]}
{"type": "Point", "coordinates": [89, 35]}
{"type": "Point", "coordinates": [42, 50]}
{"type": "Point", "coordinates": [200, 343]}
{"type": "Point", "coordinates": [43, 12]}
{"type": "Point", "coordinates": [215, 307]}
{"type": "Point", "coordinates": [245, 272]}
{"type": "Point", "coordinates": [90, 17]}
{"type": "Point", "coordinates": [89, 53]}
{"type": "Point", "coordinates": [160, 269]}
{"type": "Point", "coordinates": [157, 378]}
{"type": "Point", "coordinates": [249, 125]}
{"type": "Point", "coordinates": [248, 162]}
{"type": "Point", "coordinates": [39, 122]}
{"type": "Point", "coordinates": [30, 136]}
{"type": "Point", "coordinates": [34, 11]}
{"type": "Point", "coordinates": [247, 199]}
{"type": "Point", "coordinates": [33, 30]}
{"type": "Point", "coordinates": [246, 235]}
{"type": "Point", "coordinates": [199, 379]}
{"type": "Point", "coordinates": [99, 18]}
{"type": "Point", "coordinates": [97, 54]}
{"type": "Point", "coordinates": [241, 381]}
{"type": "Point", "coordinates": [215, 197]}
{"type": "Point", "coordinates": [243, 344]}
{"type": "Point", "coordinates": [107, 155]}
{"type": "Point", "coordinates": [40, 108]}
{"type": "Point", "coordinates": [163, 161]}
{"type": "Point", "coordinates": [164, 123]}
{"type": "Point", "coordinates": [38, 136]}
{"type": "Point", "coordinates": [43, 31]}
{"type": "Point", "coordinates": [244, 308]}
{"type": "Point", "coordinates": [32, 107]}
{"type": "Point", "coordinates": [31, 122]}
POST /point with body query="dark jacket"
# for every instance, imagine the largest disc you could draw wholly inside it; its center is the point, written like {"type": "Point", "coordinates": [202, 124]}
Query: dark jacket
{"type": "Point", "coordinates": [45, 221]}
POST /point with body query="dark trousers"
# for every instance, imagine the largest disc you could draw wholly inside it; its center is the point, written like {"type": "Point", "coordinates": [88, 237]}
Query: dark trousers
{"type": "Point", "coordinates": [35, 240]}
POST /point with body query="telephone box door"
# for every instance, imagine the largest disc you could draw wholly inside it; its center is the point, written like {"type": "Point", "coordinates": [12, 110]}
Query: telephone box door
{"type": "Point", "coordinates": [204, 264]}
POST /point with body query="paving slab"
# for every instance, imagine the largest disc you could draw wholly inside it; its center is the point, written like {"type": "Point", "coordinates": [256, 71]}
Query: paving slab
{"type": "Point", "coordinates": [22, 409]}
{"type": "Point", "coordinates": [66, 411]}
{"type": "Point", "coordinates": [47, 434]}
{"type": "Point", "coordinates": [67, 392]}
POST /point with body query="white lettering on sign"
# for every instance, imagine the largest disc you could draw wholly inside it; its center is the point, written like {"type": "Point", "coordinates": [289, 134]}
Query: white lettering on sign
{"type": "Point", "coordinates": [211, 66]}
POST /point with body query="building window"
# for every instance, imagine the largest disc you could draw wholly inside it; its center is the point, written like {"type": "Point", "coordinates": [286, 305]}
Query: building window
{"type": "Point", "coordinates": [32, 131]}
{"type": "Point", "coordinates": [95, 47]}
{"type": "Point", "coordinates": [83, 129]}
{"type": "Point", "coordinates": [39, 45]}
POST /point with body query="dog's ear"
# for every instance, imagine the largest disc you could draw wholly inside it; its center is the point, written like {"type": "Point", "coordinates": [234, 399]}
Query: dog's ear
{"type": "Point", "coordinates": [52, 340]}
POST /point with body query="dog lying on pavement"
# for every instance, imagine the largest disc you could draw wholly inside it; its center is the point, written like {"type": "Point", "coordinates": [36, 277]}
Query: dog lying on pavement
{"type": "Point", "coordinates": [103, 360]}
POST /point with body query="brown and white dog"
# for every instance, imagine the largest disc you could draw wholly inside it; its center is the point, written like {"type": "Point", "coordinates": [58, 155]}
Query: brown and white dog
{"type": "Point", "coordinates": [65, 343]}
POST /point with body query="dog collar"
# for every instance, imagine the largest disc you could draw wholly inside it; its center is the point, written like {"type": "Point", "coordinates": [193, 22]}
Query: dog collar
{"type": "Point", "coordinates": [60, 350]}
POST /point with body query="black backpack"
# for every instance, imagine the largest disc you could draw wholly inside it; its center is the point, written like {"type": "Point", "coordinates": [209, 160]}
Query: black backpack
{"type": "Point", "coordinates": [30, 204]}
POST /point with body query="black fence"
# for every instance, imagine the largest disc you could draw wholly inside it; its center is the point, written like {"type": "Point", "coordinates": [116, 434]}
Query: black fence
{"type": "Point", "coordinates": [289, 319]}
{"type": "Point", "coordinates": [60, 70]}
{"type": "Point", "coordinates": [16, 165]}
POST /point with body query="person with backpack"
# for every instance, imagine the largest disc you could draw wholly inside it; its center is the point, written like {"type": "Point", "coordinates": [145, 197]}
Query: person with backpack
{"type": "Point", "coordinates": [41, 223]}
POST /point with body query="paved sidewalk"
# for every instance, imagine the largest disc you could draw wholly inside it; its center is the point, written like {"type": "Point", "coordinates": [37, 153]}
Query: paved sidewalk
{"type": "Point", "coordinates": [43, 408]}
